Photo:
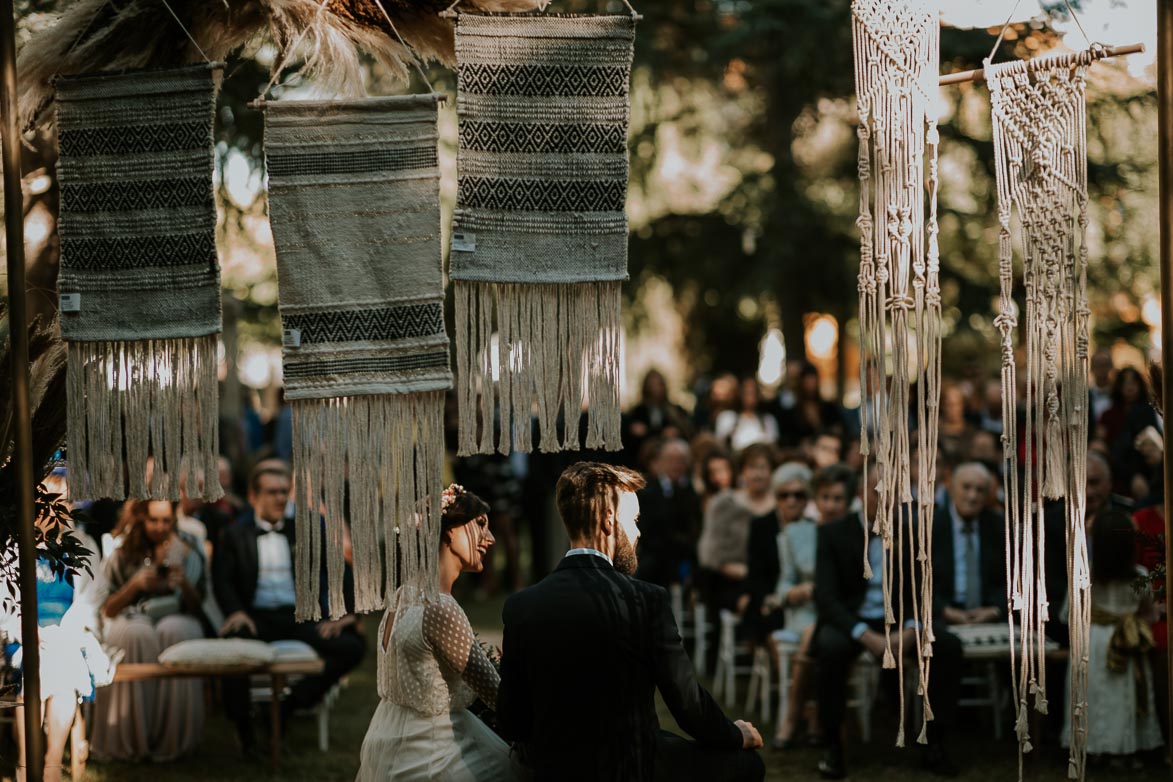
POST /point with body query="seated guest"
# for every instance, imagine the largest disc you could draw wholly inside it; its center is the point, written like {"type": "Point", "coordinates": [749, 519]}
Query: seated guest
{"type": "Point", "coordinates": [1121, 713]}
{"type": "Point", "coordinates": [253, 578]}
{"type": "Point", "coordinates": [833, 487]}
{"type": "Point", "coordinates": [669, 517]}
{"type": "Point", "coordinates": [724, 539]}
{"type": "Point", "coordinates": [767, 540]}
{"type": "Point", "coordinates": [969, 552]}
{"type": "Point", "coordinates": [655, 417]}
{"type": "Point", "coordinates": [715, 473]}
{"type": "Point", "coordinates": [156, 580]}
{"type": "Point", "coordinates": [851, 620]}
{"type": "Point", "coordinates": [747, 424]}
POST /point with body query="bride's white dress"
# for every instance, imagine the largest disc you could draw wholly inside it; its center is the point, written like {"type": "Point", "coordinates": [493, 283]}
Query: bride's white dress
{"type": "Point", "coordinates": [430, 671]}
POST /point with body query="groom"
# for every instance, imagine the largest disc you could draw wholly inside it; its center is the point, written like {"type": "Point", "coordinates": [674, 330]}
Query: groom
{"type": "Point", "coordinates": [586, 649]}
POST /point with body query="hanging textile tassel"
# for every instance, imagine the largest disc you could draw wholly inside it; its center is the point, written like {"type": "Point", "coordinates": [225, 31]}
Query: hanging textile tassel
{"type": "Point", "coordinates": [140, 282]}
{"type": "Point", "coordinates": [355, 209]}
{"type": "Point", "coordinates": [539, 238]}
{"type": "Point", "coordinates": [896, 70]}
{"type": "Point", "coordinates": [1040, 148]}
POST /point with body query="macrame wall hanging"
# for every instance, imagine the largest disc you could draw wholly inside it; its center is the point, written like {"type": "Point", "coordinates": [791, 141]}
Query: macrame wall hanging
{"type": "Point", "coordinates": [139, 282]}
{"type": "Point", "coordinates": [355, 210]}
{"type": "Point", "coordinates": [1040, 150]}
{"type": "Point", "coordinates": [539, 241]}
{"type": "Point", "coordinates": [896, 71]}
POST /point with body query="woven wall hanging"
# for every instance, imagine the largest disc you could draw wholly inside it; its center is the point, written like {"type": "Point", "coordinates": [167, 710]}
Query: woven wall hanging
{"type": "Point", "coordinates": [139, 281]}
{"type": "Point", "coordinates": [1040, 150]}
{"type": "Point", "coordinates": [355, 208]}
{"type": "Point", "coordinates": [539, 243]}
{"type": "Point", "coordinates": [896, 70]}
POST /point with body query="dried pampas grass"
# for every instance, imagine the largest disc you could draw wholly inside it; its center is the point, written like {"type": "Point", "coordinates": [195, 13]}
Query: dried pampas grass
{"type": "Point", "coordinates": [99, 35]}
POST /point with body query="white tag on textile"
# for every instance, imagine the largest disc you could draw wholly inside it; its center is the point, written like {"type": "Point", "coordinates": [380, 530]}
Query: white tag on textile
{"type": "Point", "coordinates": [291, 338]}
{"type": "Point", "coordinates": [464, 242]}
{"type": "Point", "coordinates": [70, 302]}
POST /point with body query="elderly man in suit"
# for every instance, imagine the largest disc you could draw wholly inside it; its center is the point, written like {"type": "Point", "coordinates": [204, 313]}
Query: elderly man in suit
{"type": "Point", "coordinates": [969, 551]}
{"type": "Point", "coordinates": [253, 577]}
{"type": "Point", "coordinates": [670, 517]}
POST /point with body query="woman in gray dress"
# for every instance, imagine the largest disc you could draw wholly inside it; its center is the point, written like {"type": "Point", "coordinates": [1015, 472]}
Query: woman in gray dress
{"type": "Point", "coordinates": [156, 580]}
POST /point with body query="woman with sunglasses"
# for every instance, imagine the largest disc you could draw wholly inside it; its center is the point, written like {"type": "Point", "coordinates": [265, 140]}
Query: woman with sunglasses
{"type": "Point", "coordinates": [782, 573]}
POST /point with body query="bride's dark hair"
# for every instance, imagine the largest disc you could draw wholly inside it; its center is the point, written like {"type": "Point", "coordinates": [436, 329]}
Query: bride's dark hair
{"type": "Point", "coordinates": [463, 508]}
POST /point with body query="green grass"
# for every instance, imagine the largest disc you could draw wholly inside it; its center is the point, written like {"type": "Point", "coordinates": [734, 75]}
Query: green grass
{"type": "Point", "coordinates": [980, 757]}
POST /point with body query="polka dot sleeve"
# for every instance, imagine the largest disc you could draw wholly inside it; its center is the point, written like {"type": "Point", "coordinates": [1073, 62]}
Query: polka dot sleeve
{"type": "Point", "coordinates": [448, 632]}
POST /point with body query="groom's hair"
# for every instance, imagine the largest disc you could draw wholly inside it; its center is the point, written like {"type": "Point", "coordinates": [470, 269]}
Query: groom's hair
{"type": "Point", "coordinates": [587, 490]}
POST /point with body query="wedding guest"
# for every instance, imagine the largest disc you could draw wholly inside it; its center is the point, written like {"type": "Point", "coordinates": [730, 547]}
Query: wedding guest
{"type": "Point", "coordinates": [851, 619]}
{"type": "Point", "coordinates": [716, 475]}
{"type": "Point", "coordinates": [1121, 713]}
{"type": "Point", "coordinates": [721, 395]}
{"type": "Point", "coordinates": [67, 619]}
{"type": "Point", "coordinates": [724, 539]}
{"type": "Point", "coordinates": [833, 488]}
{"type": "Point", "coordinates": [765, 613]}
{"type": "Point", "coordinates": [156, 579]}
{"type": "Point", "coordinates": [586, 650]}
{"type": "Point", "coordinates": [1100, 387]}
{"type": "Point", "coordinates": [810, 413]}
{"type": "Point", "coordinates": [969, 552]}
{"type": "Point", "coordinates": [1121, 424]}
{"type": "Point", "coordinates": [746, 424]}
{"type": "Point", "coordinates": [1150, 527]}
{"type": "Point", "coordinates": [725, 532]}
{"type": "Point", "coordinates": [655, 417]}
{"type": "Point", "coordinates": [670, 517]}
{"type": "Point", "coordinates": [954, 427]}
{"type": "Point", "coordinates": [253, 575]}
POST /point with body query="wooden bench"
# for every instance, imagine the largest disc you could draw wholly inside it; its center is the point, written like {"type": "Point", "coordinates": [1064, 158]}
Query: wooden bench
{"type": "Point", "coordinates": [278, 673]}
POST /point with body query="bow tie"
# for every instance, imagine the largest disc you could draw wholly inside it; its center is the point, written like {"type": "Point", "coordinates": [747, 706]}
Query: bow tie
{"type": "Point", "coordinates": [265, 527]}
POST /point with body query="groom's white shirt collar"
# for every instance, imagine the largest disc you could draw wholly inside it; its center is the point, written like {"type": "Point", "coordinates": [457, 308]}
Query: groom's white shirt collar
{"type": "Point", "coordinates": [595, 552]}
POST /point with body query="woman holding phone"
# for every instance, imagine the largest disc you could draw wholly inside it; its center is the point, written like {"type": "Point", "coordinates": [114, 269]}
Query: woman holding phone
{"type": "Point", "coordinates": [157, 582]}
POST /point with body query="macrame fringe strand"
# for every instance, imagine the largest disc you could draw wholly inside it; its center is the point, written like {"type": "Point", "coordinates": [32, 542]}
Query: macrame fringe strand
{"type": "Point", "coordinates": [556, 345]}
{"type": "Point", "coordinates": [900, 302]}
{"type": "Point", "coordinates": [142, 418]}
{"type": "Point", "coordinates": [388, 450]}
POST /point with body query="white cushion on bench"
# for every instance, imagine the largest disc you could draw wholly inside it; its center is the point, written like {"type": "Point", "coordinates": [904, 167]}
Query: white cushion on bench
{"type": "Point", "coordinates": [288, 651]}
{"type": "Point", "coordinates": [217, 655]}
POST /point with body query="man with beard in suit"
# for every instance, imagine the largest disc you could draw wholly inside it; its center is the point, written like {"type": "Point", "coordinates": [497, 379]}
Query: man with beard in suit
{"type": "Point", "coordinates": [969, 552]}
{"type": "Point", "coordinates": [586, 649]}
{"type": "Point", "coordinates": [851, 621]}
{"type": "Point", "coordinates": [669, 517]}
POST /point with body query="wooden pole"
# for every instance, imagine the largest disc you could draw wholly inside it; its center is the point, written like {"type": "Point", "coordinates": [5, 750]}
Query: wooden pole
{"type": "Point", "coordinates": [34, 738]}
{"type": "Point", "coordinates": [1165, 222]}
{"type": "Point", "coordinates": [979, 74]}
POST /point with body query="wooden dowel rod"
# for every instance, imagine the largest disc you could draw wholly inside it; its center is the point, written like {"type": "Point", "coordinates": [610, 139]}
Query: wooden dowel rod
{"type": "Point", "coordinates": [979, 74]}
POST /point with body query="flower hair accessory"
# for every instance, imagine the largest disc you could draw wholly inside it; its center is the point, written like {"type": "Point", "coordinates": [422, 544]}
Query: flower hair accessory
{"type": "Point", "coordinates": [449, 495]}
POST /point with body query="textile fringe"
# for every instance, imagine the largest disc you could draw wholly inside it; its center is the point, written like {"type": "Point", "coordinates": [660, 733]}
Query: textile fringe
{"type": "Point", "coordinates": [1040, 154]}
{"type": "Point", "coordinates": [142, 418]}
{"type": "Point", "coordinates": [556, 350]}
{"type": "Point", "coordinates": [897, 56]}
{"type": "Point", "coordinates": [388, 451]}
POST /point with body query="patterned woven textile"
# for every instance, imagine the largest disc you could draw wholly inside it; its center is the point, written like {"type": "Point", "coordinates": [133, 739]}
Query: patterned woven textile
{"type": "Point", "coordinates": [139, 281]}
{"type": "Point", "coordinates": [540, 232]}
{"type": "Point", "coordinates": [355, 209]}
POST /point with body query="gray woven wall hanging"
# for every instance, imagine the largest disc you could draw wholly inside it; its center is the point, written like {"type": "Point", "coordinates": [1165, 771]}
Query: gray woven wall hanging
{"type": "Point", "coordinates": [139, 281]}
{"type": "Point", "coordinates": [355, 209]}
{"type": "Point", "coordinates": [539, 246]}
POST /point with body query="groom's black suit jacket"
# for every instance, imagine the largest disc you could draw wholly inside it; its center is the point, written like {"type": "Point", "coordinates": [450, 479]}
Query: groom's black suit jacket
{"type": "Point", "coordinates": [584, 652]}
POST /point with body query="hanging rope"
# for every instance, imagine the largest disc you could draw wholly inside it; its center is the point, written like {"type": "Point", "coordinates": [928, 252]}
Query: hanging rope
{"type": "Point", "coordinates": [897, 56]}
{"type": "Point", "coordinates": [1040, 154]}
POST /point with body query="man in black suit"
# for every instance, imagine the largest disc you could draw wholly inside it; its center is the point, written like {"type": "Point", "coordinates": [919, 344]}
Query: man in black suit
{"type": "Point", "coordinates": [253, 577]}
{"type": "Point", "coordinates": [586, 649]}
{"type": "Point", "coordinates": [851, 620]}
{"type": "Point", "coordinates": [969, 551]}
{"type": "Point", "coordinates": [669, 517]}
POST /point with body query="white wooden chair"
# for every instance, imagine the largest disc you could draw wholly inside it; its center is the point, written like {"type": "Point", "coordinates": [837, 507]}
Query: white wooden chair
{"type": "Point", "coordinates": [863, 683]}
{"type": "Point", "coordinates": [730, 655]}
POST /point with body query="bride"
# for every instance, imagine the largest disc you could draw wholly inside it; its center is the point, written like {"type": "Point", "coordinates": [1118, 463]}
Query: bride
{"type": "Point", "coordinates": [431, 669]}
